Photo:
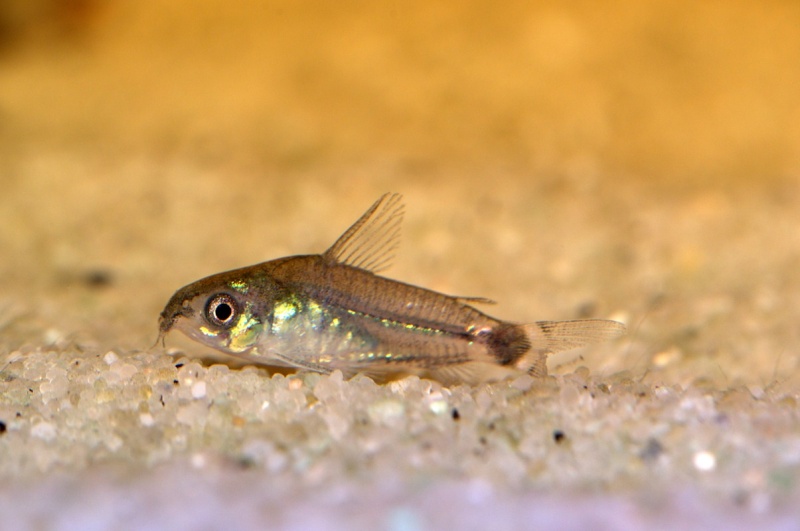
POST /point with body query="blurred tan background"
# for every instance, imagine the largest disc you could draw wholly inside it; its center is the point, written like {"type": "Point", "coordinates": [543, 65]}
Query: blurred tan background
{"type": "Point", "coordinates": [619, 159]}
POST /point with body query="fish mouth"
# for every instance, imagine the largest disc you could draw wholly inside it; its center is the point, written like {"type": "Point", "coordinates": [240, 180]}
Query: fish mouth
{"type": "Point", "coordinates": [162, 338]}
{"type": "Point", "coordinates": [175, 309]}
{"type": "Point", "coordinates": [165, 323]}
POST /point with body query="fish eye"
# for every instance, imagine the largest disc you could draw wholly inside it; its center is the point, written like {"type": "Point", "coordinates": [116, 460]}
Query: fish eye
{"type": "Point", "coordinates": [222, 310]}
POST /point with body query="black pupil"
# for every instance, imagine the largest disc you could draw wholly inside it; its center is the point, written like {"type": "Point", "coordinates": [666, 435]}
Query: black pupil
{"type": "Point", "coordinates": [223, 311]}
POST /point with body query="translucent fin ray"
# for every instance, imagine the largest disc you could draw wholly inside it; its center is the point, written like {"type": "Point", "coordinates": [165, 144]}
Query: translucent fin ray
{"type": "Point", "coordinates": [549, 337]}
{"type": "Point", "coordinates": [370, 242]}
{"type": "Point", "coordinates": [471, 373]}
{"type": "Point", "coordinates": [554, 336]}
{"type": "Point", "coordinates": [475, 300]}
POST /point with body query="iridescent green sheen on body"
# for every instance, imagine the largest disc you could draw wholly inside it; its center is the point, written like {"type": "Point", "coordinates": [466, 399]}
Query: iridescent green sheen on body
{"type": "Point", "coordinates": [333, 311]}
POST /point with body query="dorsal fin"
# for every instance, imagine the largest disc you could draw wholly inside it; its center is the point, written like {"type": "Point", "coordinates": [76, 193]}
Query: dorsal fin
{"type": "Point", "coordinates": [371, 241]}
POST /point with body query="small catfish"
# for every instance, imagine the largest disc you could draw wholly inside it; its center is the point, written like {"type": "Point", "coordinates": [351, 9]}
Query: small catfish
{"type": "Point", "coordinates": [332, 311]}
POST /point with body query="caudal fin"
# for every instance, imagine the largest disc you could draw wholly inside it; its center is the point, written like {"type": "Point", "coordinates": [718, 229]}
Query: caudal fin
{"type": "Point", "coordinates": [548, 337]}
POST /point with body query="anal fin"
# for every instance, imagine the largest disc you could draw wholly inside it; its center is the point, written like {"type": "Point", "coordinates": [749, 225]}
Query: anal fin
{"type": "Point", "coordinates": [471, 373]}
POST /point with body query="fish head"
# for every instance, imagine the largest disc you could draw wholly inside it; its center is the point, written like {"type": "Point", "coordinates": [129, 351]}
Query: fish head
{"type": "Point", "coordinates": [221, 311]}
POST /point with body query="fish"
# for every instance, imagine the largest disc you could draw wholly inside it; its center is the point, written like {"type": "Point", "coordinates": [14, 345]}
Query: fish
{"type": "Point", "coordinates": [334, 311]}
